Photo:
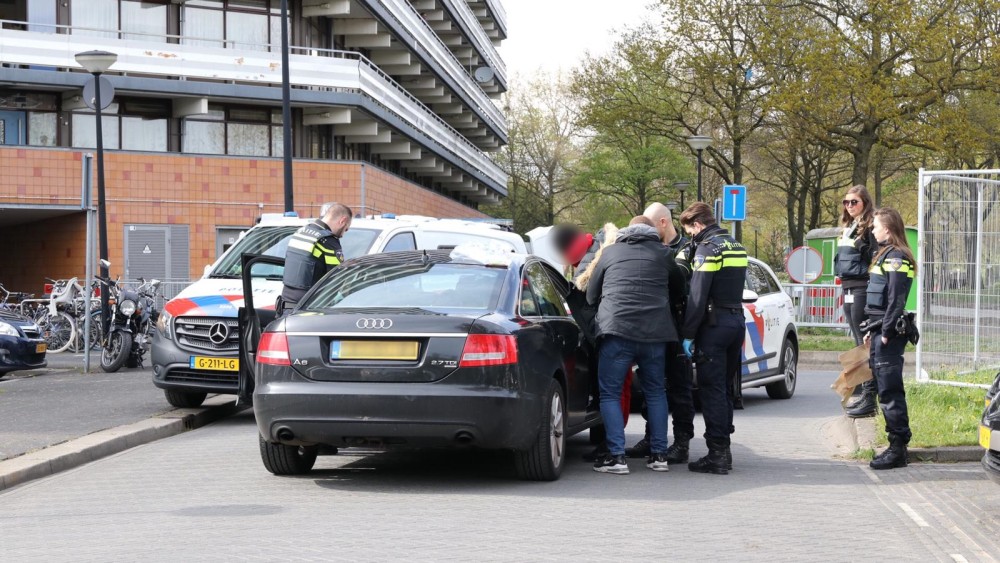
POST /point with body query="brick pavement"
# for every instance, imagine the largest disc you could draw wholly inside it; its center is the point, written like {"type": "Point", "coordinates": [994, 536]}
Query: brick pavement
{"type": "Point", "coordinates": [204, 495]}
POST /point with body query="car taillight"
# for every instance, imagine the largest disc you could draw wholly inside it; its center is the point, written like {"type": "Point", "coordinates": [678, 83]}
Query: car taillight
{"type": "Point", "coordinates": [488, 350]}
{"type": "Point", "coordinates": [273, 349]}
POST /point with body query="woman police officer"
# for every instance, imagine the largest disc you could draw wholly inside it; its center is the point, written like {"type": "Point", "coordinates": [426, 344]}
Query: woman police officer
{"type": "Point", "coordinates": [890, 277]}
{"type": "Point", "coordinates": [851, 263]}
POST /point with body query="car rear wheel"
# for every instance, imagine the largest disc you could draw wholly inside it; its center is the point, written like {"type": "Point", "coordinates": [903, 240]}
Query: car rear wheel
{"type": "Point", "coordinates": [183, 399]}
{"type": "Point", "coordinates": [785, 388]}
{"type": "Point", "coordinates": [287, 460]}
{"type": "Point", "coordinates": [544, 460]}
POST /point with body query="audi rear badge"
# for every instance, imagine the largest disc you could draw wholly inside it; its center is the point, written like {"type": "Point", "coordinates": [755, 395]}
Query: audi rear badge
{"type": "Point", "coordinates": [374, 324]}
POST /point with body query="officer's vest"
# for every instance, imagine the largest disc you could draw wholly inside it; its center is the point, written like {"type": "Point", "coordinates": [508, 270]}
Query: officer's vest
{"type": "Point", "coordinates": [848, 263]}
{"type": "Point", "coordinates": [733, 256]}
{"type": "Point", "coordinates": [301, 260]}
{"type": "Point", "coordinates": [878, 281]}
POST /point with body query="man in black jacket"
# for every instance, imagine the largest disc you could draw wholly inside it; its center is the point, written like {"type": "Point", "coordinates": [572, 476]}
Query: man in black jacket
{"type": "Point", "coordinates": [632, 290]}
{"type": "Point", "coordinates": [313, 251]}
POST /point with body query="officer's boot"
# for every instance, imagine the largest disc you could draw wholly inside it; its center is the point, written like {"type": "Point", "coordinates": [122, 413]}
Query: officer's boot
{"type": "Point", "coordinates": [678, 451]}
{"type": "Point", "coordinates": [893, 456]}
{"type": "Point", "coordinates": [864, 406]}
{"type": "Point", "coordinates": [716, 462]}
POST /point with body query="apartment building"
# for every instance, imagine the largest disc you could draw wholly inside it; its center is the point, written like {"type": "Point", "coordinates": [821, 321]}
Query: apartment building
{"type": "Point", "coordinates": [393, 110]}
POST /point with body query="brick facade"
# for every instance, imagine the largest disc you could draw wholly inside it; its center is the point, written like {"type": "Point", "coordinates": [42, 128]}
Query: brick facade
{"type": "Point", "coordinates": [201, 191]}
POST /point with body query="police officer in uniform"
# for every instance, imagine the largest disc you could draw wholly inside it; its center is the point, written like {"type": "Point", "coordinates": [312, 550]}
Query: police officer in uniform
{"type": "Point", "coordinates": [889, 281]}
{"type": "Point", "coordinates": [679, 373]}
{"type": "Point", "coordinates": [313, 251]}
{"type": "Point", "coordinates": [714, 326]}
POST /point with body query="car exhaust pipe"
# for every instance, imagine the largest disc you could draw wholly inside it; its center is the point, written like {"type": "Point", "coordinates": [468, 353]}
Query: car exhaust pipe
{"type": "Point", "coordinates": [285, 434]}
{"type": "Point", "coordinates": [464, 438]}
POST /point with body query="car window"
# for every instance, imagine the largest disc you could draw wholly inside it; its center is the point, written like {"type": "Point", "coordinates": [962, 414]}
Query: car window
{"type": "Point", "coordinates": [527, 304]}
{"type": "Point", "coordinates": [757, 279]}
{"type": "Point", "coordinates": [550, 303]}
{"type": "Point", "coordinates": [273, 241]}
{"type": "Point", "coordinates": [401, 241]}
{"type": "Point", "coordinates": [435, 287]}
{"type": "Point", "coordinates": [772, 282]}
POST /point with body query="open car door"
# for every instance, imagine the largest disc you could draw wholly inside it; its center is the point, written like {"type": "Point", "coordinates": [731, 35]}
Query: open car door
{"type": "Point", "coordinates": [252, 317]}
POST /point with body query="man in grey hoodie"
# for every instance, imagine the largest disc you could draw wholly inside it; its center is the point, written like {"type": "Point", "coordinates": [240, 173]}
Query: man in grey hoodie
{"type": "Point", "coordinates": [632, 291]}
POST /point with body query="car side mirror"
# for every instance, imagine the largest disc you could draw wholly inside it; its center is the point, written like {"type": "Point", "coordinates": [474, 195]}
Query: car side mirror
{"type": "Point", "coordinates": [749, 296]}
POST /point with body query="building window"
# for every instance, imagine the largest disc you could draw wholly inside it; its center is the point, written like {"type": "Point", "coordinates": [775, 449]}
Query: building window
{"type": "Point", "coordinates": [85, 129]}
{"type": "Point", "coordinates": [235, 130]}
{"type": "Point", "coordinates": [129, 19]}
{"type": "Point", "coordinates": [136, 124]}
{"type": "Point", "coordinates": [42, 128]}
{"type": "Point", "coordinates": [247, 25]}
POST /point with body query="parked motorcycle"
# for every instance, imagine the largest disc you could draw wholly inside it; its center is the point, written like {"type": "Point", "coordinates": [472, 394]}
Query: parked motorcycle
{"type": "Point", "coordinates": [134, 318]}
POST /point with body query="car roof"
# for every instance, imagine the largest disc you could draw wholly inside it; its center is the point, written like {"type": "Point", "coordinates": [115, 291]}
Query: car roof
{"type": "Point", "coordinates": [430, 256]}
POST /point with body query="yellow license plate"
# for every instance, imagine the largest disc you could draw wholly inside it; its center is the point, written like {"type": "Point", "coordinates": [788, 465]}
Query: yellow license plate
{"type": "Point", "coordinates": [374, 350]}
{"type": "Point", "coordinates": [217, 364]}
{"type": "Point", "coordinates": [40, 348]}
{"type": "Point", "coordinates": [984, 437]}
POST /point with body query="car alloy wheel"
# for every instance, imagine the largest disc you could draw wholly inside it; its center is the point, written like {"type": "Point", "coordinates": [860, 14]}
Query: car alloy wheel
{"type": "Point", "coordinates": [557, 434]}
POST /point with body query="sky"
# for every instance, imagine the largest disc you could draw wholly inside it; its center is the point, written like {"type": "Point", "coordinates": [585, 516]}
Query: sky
{"type": "Point", "coordinates": [554, 35]}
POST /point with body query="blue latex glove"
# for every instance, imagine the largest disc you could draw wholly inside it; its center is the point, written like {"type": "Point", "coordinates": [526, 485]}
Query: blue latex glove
{"type": "Point", "coordinates": [688, 347]}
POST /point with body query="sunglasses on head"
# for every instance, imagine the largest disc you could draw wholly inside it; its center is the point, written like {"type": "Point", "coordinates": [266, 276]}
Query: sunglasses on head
{"type": "Point", "coordinates": [851, 202]}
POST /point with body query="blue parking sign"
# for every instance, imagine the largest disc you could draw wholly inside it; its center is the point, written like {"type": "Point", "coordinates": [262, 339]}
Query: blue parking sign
{"type": "Point", "coordinates": [734, 203]}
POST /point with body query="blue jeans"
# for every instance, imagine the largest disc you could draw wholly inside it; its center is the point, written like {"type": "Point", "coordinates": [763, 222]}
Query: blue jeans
{"type": "Point", "coordinates": [616, 356]}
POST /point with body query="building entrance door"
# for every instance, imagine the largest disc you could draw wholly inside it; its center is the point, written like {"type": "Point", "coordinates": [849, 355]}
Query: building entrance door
{"type": "Point", "coordinates": [12, 130]}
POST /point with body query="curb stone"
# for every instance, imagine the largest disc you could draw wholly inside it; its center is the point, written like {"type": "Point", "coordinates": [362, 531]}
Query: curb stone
{"type": "Point", "coordinates": [864, 434]}
{"type": "Point", "coordinates": [73, 453]}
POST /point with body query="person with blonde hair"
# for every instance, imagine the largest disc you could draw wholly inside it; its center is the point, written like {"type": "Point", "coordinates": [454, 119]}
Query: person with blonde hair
{"type": "Point", "coordinates": [890, 278]}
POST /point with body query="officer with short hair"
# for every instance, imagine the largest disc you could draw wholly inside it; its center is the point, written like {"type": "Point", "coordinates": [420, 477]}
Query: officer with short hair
{"type": "Point", "coordinates": [313, 251]}
{"type": "Point", "coordinates": [715, 326]}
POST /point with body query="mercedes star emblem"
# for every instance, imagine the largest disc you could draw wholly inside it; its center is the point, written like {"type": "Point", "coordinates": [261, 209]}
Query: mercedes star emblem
{"type": "Point", "coordinates": [218, 333]}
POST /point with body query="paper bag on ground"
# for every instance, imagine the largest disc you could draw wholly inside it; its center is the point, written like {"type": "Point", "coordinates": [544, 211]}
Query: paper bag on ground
{"type": "Point", "coordinates": [856, 371]}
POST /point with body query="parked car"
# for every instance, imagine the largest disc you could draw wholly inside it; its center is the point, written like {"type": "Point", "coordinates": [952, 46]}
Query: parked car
{"type": "Point", "coordinates": [21, 344]}
{"type": "Point", "coordinates": [467, 348]}
{"type": "Point", "coordinates": [989, 438]}
{"type": "Point", "coordinates": [194, 350]}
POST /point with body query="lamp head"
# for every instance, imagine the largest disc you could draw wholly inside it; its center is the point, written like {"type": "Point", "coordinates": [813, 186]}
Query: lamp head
{"type": "Point", "coordinates": [699, 142]}
{"type": "Point", "coordinates": [96, 62]}
{"type": "Point", "coordinates": [681, 186]}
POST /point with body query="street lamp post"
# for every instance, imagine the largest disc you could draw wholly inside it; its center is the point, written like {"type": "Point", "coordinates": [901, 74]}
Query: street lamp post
{"type": "Point", "coordinates": [681, 186]}
{"type": "Point", "coordinates": [97, 63]}
{"type": "Point", "coordinates": [699, 143]}
{"type": "Point", "coordinates": [286, 112]}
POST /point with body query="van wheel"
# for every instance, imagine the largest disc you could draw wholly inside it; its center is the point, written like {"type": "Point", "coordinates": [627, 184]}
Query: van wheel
{"type": "Point", "coordinates": [785, 388]}
{"type": "Point", "coordinates": [184, 400]}
{"type": "Point", "coordinates": [280, 459]}
{"type": "Point", "coordinates": [544, 460]}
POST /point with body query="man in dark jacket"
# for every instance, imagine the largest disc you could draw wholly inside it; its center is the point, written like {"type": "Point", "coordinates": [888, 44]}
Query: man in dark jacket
{"type": "Point", "coordinates": [313, 251]}
{"type": "Point", "coordinates": [632, 291]}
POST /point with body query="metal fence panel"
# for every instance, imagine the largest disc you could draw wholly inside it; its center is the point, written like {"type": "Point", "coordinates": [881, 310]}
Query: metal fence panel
{"type": "Point", "coordinates": [958, 273]}
{"type": "Point", "coordinates": [817, 305]}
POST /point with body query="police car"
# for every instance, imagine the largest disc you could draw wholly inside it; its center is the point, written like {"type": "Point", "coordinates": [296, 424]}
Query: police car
{"type": "Point", "coordinates": [195, 348]}
{"type": "Point", "coordinates": [771, 347]}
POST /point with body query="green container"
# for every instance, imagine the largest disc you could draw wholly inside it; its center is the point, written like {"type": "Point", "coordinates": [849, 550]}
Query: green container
{"type": "Point", "coordinates": [824, 241]}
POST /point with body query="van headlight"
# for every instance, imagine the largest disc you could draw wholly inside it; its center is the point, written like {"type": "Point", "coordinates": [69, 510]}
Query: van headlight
{"type": "Point", "coordinates": [163, 324]}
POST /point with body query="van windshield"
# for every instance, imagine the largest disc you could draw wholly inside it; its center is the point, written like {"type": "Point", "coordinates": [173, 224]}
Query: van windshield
{"type": "Point", "coordinates": [273, 241]}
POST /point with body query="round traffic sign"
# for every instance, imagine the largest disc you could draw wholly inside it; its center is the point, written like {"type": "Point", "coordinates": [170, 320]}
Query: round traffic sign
{"type": "Point", "coordinates": [804, 264]}
{"type": "Point", "coordinates": [90, 94]}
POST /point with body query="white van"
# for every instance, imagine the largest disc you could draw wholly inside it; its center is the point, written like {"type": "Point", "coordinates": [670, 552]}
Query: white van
{"type": "Point", "coordinates": [195, 348]}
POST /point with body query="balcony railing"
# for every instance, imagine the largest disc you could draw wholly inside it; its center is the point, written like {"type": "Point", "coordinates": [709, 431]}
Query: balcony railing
{"type": "Point", "coordinates": [320, 68]}
{"type": "Point", "coordinates": [410, 19]}
{"type": "Point", "coordinates": [482, 41]}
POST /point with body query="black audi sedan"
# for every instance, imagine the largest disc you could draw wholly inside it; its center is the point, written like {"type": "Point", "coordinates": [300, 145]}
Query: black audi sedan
{"type": "Point", "coordinates": [464, 348]}
{"type": "Point", "coordinates": [21, 344]}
